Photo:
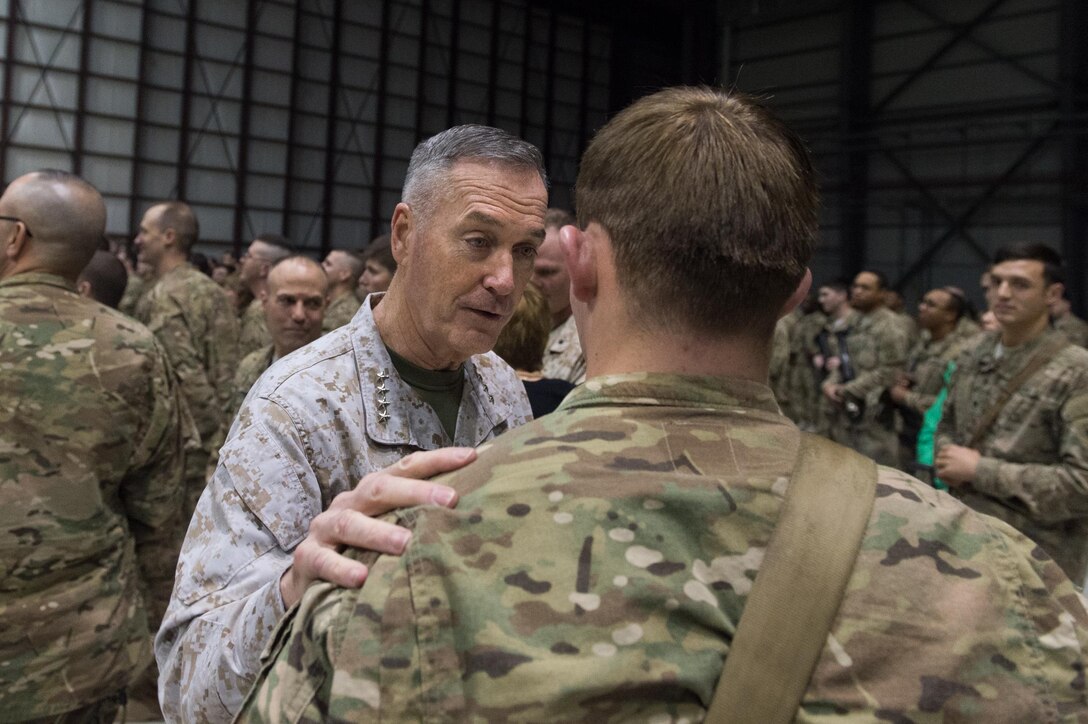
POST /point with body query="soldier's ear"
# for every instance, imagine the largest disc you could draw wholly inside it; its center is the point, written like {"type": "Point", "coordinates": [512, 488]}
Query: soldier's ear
{"type": "Point", "coordinates": [15, 245]}
{"type": "Point", "coordinates": [798, 295]}
{"type": "Point", "coordinates": [84, 288]}
{"type": "Point", "coordinates": [1054, 292]}
{"type": "Point", "coordinates": [581, 259]}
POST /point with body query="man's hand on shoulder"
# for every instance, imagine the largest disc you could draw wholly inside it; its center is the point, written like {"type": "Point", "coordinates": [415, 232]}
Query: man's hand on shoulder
{"type": "Point", "coordinates": [349, 520]}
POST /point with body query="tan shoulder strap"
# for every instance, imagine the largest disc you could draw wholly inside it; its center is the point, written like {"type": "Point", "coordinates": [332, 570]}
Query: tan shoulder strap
{"type": "Point", "coordinates": [1042, 355]}
{"type": "Point", "coordinates": [799, 587]}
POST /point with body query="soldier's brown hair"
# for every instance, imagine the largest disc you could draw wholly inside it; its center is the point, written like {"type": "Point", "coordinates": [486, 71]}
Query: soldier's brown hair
{"type": "Point", "coordinates": [711, 205]}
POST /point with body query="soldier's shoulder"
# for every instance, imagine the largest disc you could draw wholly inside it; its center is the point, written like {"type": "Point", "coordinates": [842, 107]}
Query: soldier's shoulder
{"type": "Point", "coordinates": [328, 362]}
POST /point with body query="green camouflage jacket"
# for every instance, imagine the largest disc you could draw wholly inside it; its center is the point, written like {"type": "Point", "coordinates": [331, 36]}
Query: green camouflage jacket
{"type": "Point", "coordinates": [340, 311]}
{"type": "Point", "coordinates": [91, 473]}
{"type": "Point", "coordinates": [600, 558]}
{"type": "Point", "coordinates": [254, 332]}
{"type": "Point", "coordinates": [1034, 468]}
{"type": "Point", "coordinates": [194, 321]}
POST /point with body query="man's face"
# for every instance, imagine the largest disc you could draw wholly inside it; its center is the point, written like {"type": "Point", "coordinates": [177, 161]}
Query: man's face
{"type": "Point", "coordinates": [935, 309]}
{"type": "Point", "coordinates": [1020, 293]}
{"type": "Point", "coordinates": [469, 260]}
{"type": "Point", "coordinates": [830, 299]}
{"type": "Point", "coordinates": [375, 277]}
{"type": "Point", "coordinates": [152, 240]}
{"type": "Point", "coordinates": [865, 293]}
{"type": "Point", "coordinates": [254, 263]}
{"type": "Point", "coordinates": [550, 272]}
{"type": "Point", "coordinates": [337, 267]}
{"type": "Point", "coordinates": [294, 305]}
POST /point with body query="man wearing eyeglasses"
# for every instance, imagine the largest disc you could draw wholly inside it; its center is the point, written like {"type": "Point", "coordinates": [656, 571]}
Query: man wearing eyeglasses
{"type": "Point", "coordinates": [90, 464]}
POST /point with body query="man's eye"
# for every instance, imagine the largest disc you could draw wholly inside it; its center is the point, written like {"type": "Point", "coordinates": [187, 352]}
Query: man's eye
{"type": "Point", "coordinates": [528, 251]}
{"type": "Point", "coordinates": [476, 242]}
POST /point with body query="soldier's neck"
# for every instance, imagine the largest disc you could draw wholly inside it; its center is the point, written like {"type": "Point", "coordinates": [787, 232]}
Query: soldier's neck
{"type": "Point", "coordinates": [400, 332]}
{"type": "Point", "coordinates": [1016, 335]}
{"type": "Point", "coordinates": [169, 263]}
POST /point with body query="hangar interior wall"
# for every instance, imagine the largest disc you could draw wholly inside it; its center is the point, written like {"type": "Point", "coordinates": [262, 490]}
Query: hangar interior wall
{"type": "Point", "coordinates": [941, 130]}
{"type": "Point", "coordinates": [286, 116]}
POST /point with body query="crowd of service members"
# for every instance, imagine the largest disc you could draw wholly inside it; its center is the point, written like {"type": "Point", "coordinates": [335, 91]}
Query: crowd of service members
{"type": "Point", "coordinates": [994, 411]}
{"type": "Point", "coordinates": [987, 406]}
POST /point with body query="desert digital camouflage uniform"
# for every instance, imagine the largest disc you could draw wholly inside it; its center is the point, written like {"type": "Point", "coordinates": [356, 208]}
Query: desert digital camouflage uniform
{"type": "Point", "coordinates": [91, 473]}
{"type": "Point", "coordinates": [599, 560]}
{"type": "Point", "coordinates": [249, 371]}
{"type": "Point", "coordinates": [316, 423]}
{"type": "Point", "coordinates": [563, 358]}
{"type": "Point", "coordinates": [878, 349]}
{"type": "Point", "coordinates": [1073, 327]}
{"type": "Point", "coordinates": [803, 391]}
{"type": "Point", "coordinates": [1034, 468]}
{"type": "Point", "coordinates": [194, 321]}
{"type": "Point", "coordinates": [340, 311]}
{"type": "Point", "coordinates": [254, 332]}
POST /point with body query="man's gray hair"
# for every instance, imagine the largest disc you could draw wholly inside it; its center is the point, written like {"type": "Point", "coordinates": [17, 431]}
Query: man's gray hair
{"type": "Point", "coordinates": [434, 156]}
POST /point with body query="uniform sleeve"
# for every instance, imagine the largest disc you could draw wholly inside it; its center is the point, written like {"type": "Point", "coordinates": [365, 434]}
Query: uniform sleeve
{"type": "Point", "coordinates": [222, 350]}
{"type": "Point", "coordinates": [1052, 493]}
{"type": "Point", "coordinates": [166, 318]}
{"type": "Point", "coordinates": [226, 599]}
{"type": "Point", "coordinates": [891, 351]}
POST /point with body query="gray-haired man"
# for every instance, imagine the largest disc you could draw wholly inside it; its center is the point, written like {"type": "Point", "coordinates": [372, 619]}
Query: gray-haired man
{"type": "Point", "coordinates": [411, 372]}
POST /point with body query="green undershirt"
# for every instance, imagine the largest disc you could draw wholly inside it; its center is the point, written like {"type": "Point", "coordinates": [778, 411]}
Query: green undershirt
{"type": "Point", "coordinates": [441, 389]}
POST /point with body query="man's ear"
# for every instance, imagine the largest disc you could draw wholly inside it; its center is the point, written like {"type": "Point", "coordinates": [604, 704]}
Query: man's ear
{"type": "Point", "coordinates": [170, 235]}
{"type": "Point", "coordinates": [798, 295]}
{"type": "Point", "coordinates": [581, 261]}
{"type": "Point", "coordinates": [15, 246]}
{"type": "Point", "coordinates": [400, 229]}
{"type": "Point", "coordinates": [84, 288]}
{"type": "Point", "coordinates": [1054, 292]}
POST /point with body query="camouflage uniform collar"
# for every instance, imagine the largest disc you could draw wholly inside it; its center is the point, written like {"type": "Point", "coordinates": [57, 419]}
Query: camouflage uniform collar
{"type": "Point", "coordinates": [1012, 358]}
{"type": "Point", "coordinates": [671, 390]}
{"type": "Point", "coordinates": [41, 278]}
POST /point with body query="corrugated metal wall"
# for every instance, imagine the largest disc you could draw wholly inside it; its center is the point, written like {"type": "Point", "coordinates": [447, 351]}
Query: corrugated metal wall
{"type": "Point", "coordinates": [942, 130]}
{"type": "Point", "coordinates": [281, 115]}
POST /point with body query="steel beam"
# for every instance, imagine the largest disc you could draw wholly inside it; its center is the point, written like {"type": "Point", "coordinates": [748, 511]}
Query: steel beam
{"type": "Point", "coordinates": [455, 51]}
{"type": "Point", "coordinates": [81, 87]}
{"type": "Point", "coordinates": [241, 178]}
{"type": "Point", "coordinates": [991, 190]}
{"type": "Point", "coordinates": [1073, 73]}
{"type": "Point", "coordinates": [289, 162]}
{"type": "Point", "coordinates": [493, 62]}
{"type": "Point", "coordinates": [378, 167]}
{"type": "Point", "coordinates": [549, 89]}
{"type": "Point", "coordinates": [330, 127]}
{"type": "Point", "coordinates": [527, 30]}
{"type": "Point", "coordinates": [421, 67]}
{"type": "Point", "coordinates": [186, 100]}
{"type": "Point", "coordinates": [135, 213]}
{"type": "Point", "coordinates": [854, 124]}
{"type": "Point", "coordinates": [962, 32]}
{"type": "Point", "coordinates": [5, 106]}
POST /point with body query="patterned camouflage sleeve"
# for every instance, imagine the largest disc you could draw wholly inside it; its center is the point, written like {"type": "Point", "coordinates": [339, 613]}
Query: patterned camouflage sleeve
{"type": "Point", "coordinates": [890, 347]}
{"type": "Point", "coordinates": [1051, 493]}
{"type": "Point", "coordinates": [166, 318]}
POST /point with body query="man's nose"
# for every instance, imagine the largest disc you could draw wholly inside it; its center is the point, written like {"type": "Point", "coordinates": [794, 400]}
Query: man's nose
{"type": "Point", "coordinates": [500, 276]}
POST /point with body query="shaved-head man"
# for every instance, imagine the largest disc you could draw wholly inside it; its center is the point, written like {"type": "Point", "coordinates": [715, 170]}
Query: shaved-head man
{"type": "Point", "coordinates": [563, 357]}
{"type": "Point", "coordinates": [343, 269]}
{"type": "Point", "coordinates": [257, 262]}
{"type": "Point", "coordinates": [90, 473]}
{"type": "Point", "coordinates": [293, 303]}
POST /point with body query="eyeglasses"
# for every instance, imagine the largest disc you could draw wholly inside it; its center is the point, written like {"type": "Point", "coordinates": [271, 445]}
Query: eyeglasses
{"type": "Point", "coordinates": [17, 220]}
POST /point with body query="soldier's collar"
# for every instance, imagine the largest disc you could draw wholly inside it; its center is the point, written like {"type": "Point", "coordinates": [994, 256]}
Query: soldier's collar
{"type": "Point", "coordinates": [53, 280]}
